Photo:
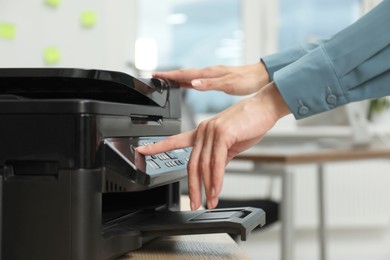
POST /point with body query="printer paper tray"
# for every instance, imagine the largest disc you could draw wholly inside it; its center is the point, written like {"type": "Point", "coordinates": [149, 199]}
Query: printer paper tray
{"type": "Point", "coordinates": [240, 221]}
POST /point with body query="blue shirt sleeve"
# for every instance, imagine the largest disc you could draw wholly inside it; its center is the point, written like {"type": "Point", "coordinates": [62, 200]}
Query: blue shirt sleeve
{"type": "Point", "coordinates": [280, 60]}
{"type": "Point", "coordinates": [353, 65]}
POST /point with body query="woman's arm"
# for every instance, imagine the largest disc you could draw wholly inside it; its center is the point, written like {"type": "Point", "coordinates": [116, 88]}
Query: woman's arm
{"type": "Point", "coordinates": [353, 65]}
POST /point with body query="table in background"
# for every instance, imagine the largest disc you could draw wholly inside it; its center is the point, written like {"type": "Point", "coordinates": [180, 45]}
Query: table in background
{"type": "Point", "coordinates": [278, 158]}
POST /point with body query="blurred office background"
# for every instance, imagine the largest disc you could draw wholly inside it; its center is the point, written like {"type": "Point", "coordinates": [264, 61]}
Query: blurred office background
{"type": "Point", "coordinates": [138, 37]}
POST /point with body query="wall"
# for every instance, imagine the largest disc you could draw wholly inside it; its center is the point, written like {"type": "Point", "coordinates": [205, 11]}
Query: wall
{"type": "Point", "coordinates": [72, 33]}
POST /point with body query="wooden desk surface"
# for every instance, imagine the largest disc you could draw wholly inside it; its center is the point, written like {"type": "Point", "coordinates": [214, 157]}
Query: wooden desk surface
{"type": "Point", "coordinates": [311, 151]}
{"type": "Point", "coordinates": [190, 247]}
{"type": "Point", "coordinates": [207, 247]}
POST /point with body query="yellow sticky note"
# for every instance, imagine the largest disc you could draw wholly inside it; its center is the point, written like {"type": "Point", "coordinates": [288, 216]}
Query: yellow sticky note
{"type": "Point", "coordinates": [53, 3]}
{"type": "Point", "coordinates": [7, 31]}
{"type": "Point", "coordinates": [51, 55]}
{"type": "Point", "coordinates": [88, 19]}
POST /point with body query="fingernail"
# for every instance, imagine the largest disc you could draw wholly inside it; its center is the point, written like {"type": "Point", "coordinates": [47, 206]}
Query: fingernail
{"type": "Point", "coordinates": [215, 202]}
{"type": "Point", "coordinates": [196, 83]}
{"type": "Point", "coordinates": [192, 205]}
{"type": "Point", "coordinates": [140, 148]}
{"type": "Point", "coordinates": [213, 192]}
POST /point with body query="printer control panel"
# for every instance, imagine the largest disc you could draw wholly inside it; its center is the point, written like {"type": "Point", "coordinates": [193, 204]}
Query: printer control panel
{"type": "Point", "coordinates": [169, 160]}
{"type": "Point", "coordinates": [122, 156]}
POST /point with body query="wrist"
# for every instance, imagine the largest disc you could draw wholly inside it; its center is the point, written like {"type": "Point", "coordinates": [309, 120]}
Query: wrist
{"type": "Point", "coordinates": [265, 78]}
{"type": "Point", "coordinates": [270, 96]}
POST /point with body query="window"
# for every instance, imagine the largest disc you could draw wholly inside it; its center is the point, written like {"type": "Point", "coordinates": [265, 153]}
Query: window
{"type": "Point", "coordinates": [195, 34]}
{"type": "Point", "coordinates": [307, 20]}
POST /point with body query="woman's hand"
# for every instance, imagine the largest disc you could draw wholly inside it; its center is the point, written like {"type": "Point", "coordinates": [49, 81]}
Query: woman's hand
{"type": "Point", "coordinates": [234, 80]}
{"type": "Point", "coordinates": [217, 140]}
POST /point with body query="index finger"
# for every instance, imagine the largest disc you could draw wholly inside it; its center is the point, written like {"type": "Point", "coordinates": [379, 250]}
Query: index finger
{"type": "Point", "coordinates": [173, 142]}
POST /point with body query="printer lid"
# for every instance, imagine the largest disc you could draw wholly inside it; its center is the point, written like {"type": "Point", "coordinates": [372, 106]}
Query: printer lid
{"type": "Point", "coordinates": [72, 83]}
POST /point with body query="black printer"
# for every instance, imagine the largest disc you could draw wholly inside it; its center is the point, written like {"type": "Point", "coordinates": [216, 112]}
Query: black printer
{"type": "Point", "coordinates": [71, 183]}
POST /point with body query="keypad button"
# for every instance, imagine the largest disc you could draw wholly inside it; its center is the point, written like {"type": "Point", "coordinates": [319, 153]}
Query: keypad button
{"type": "Point", "coordinates": [163, 157]}
{"type": "Point", "coordinates": [180, 162]}
{"type": "Point", "coordinates": [153, 164]}
{"type": "Point", "coordinates": [172, 155]}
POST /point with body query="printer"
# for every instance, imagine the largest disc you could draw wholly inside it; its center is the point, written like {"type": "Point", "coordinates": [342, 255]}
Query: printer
{"type": "Point", "coordinates": [72, 185]}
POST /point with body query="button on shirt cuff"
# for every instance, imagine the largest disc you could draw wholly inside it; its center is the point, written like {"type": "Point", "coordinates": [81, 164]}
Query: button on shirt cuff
{"type": "Point", "coordinates": [310, 85]}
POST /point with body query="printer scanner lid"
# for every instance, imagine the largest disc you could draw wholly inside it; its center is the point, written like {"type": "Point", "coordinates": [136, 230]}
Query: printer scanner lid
{"type": "Point", "coordinates": [72, 83]}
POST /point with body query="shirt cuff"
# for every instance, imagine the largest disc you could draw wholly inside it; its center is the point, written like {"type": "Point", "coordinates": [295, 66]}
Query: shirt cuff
{"type": "Point", "coordinates": [279, 60]}
{"type": "Point", "coordinates": [310, 85]}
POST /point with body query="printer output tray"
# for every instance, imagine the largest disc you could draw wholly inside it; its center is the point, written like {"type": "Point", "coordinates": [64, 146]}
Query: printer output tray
{"type": "Point", "coordinates": [239, 221]}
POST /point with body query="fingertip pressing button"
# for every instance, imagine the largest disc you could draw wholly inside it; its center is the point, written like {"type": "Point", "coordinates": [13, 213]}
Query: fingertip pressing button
{"type": "Point", "coordinates": [331, 99]}
{"type": "Point", "coordinates": [303, 110]}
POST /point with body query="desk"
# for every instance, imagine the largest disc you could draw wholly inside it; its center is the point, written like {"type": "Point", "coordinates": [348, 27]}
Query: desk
{"type": "Point", "coordinates": [279, 157]}
{"type": "Point", "coordinates": [189, 247]}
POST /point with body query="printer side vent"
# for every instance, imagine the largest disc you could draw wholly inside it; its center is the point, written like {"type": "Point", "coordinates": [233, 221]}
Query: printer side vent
{"type": "Point", "coordinates": [112, 186]}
